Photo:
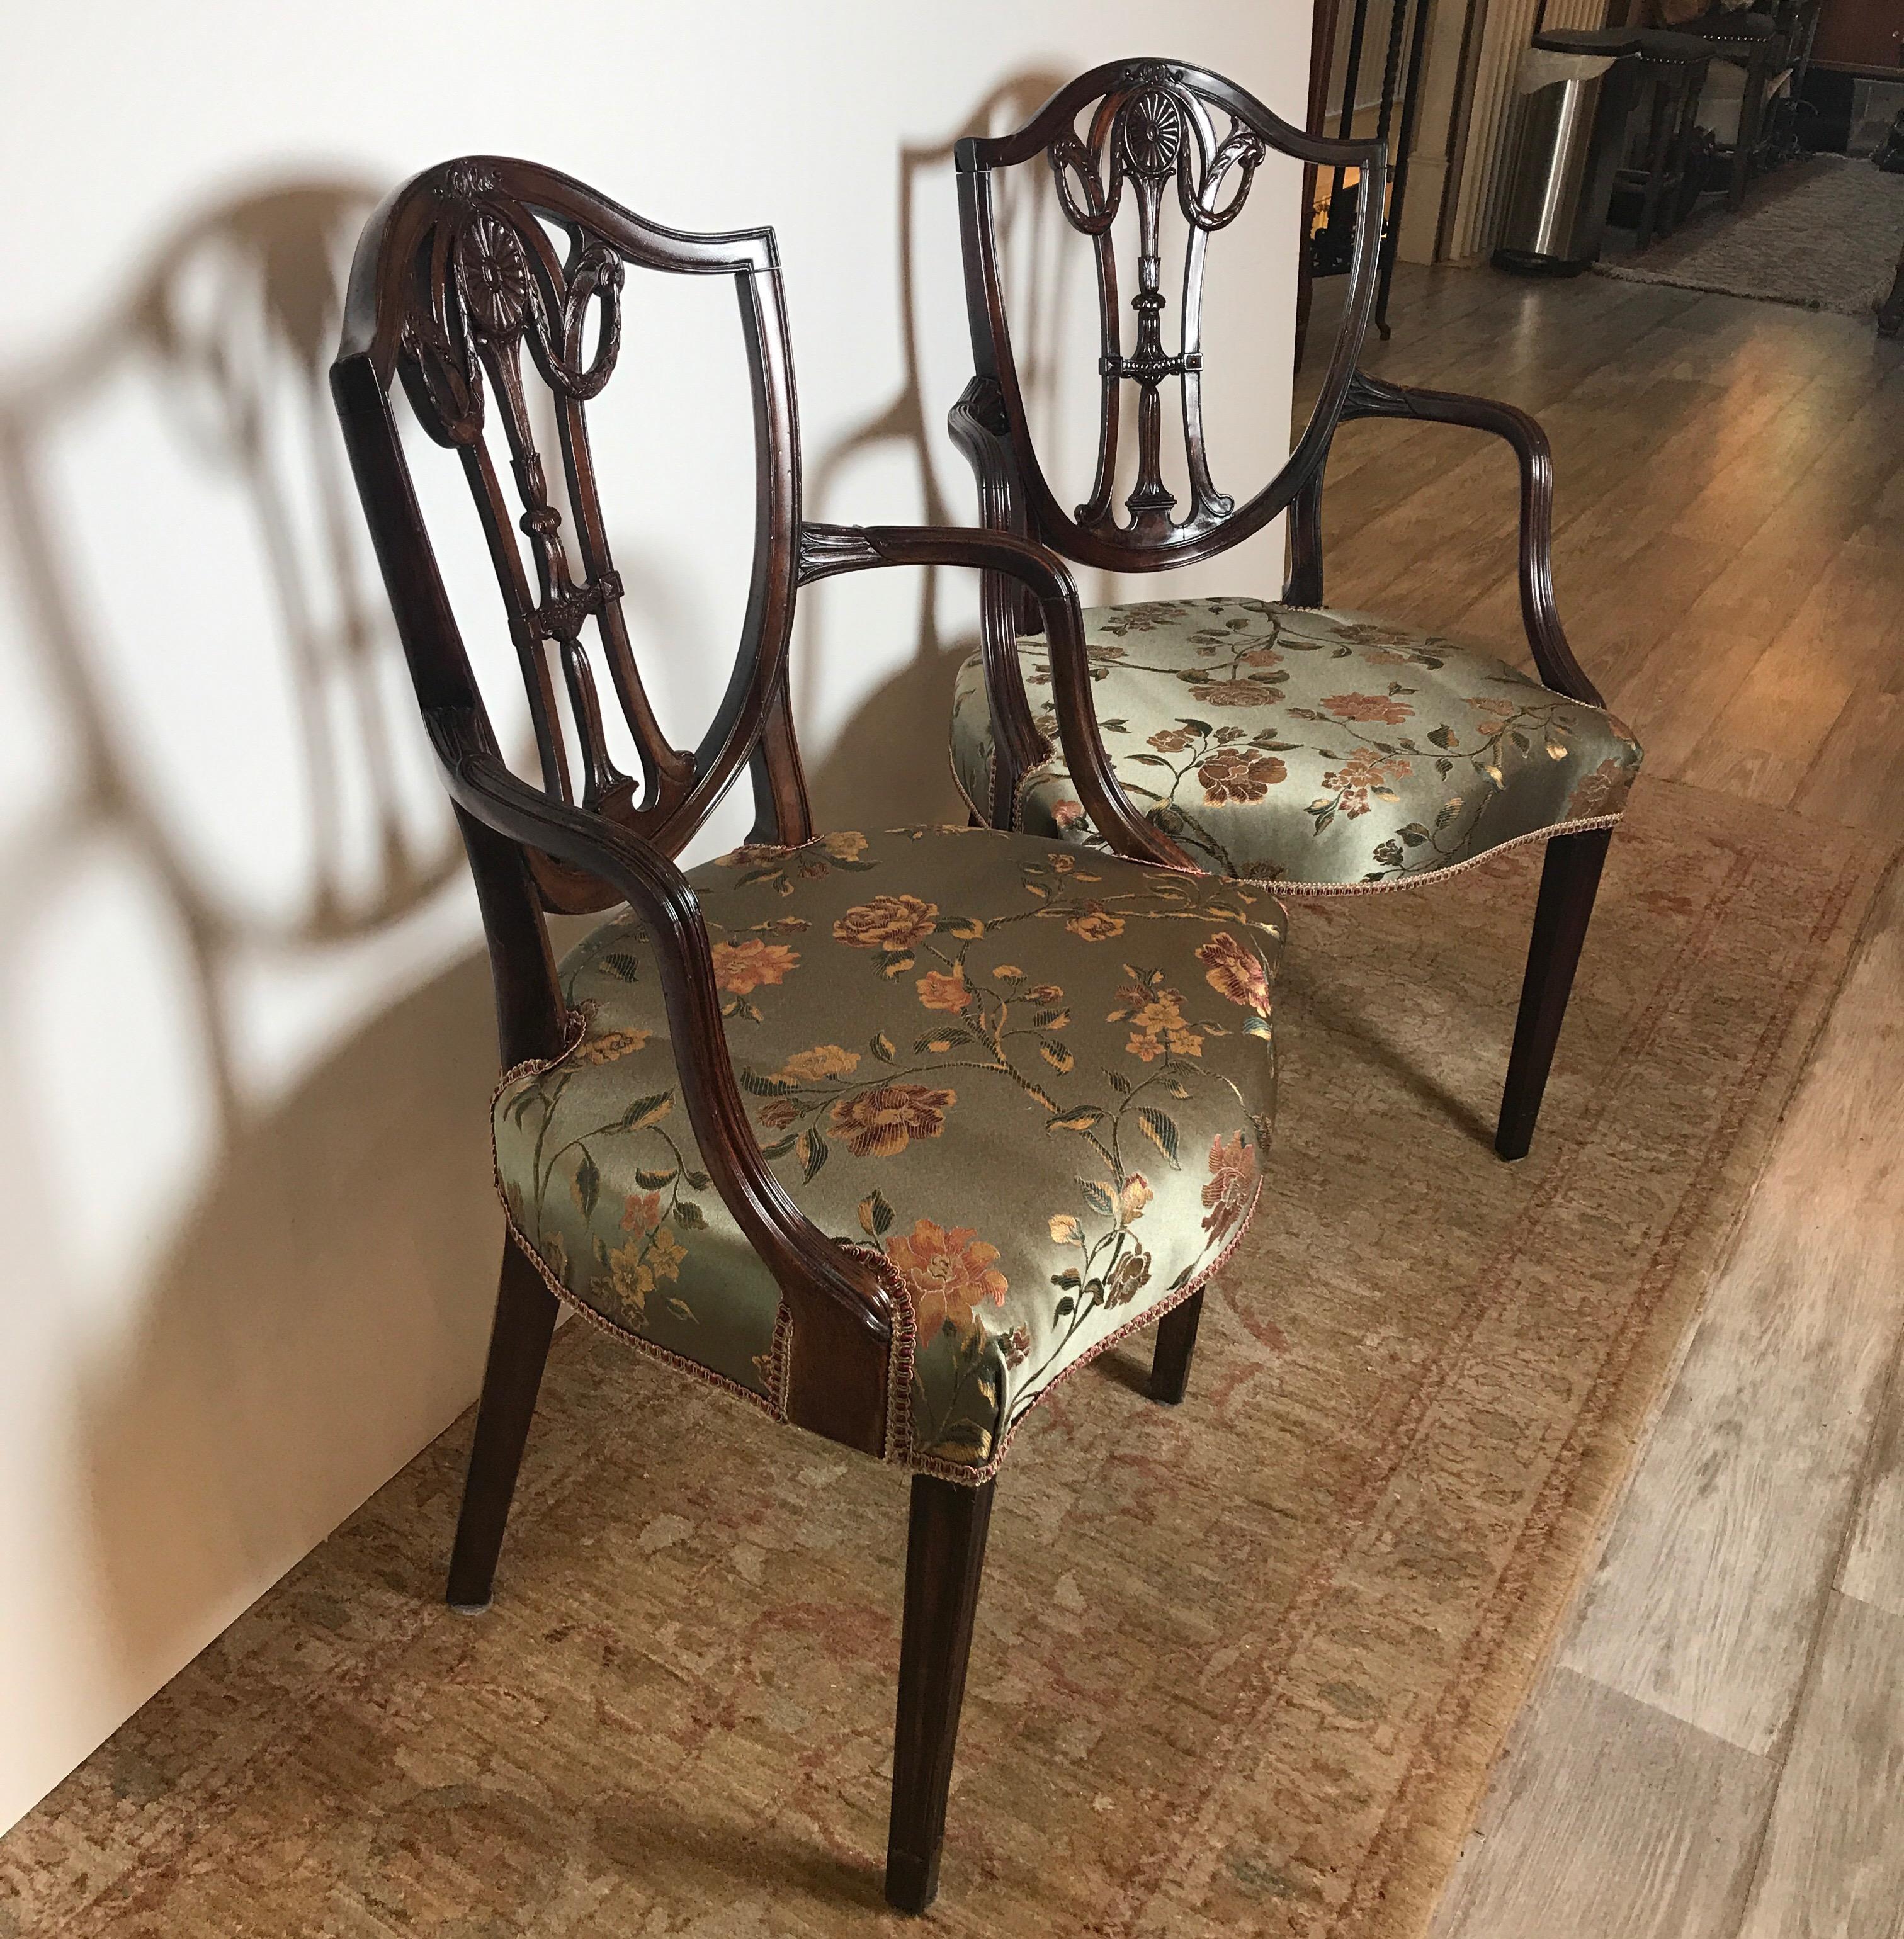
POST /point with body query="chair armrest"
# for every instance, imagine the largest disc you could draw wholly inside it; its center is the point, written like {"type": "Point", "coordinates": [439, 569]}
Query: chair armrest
{"type": "Point", "coordinates": [827, 549]}
{"type": "Point", "coordinates": [841, 1309]}
{"type": "Point", "coordinates": [1370, 397]}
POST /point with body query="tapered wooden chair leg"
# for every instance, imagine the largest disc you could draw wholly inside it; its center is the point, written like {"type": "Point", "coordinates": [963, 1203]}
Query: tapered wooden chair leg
{"type": "Point", "coordinates": [945, 1556]}
{"type": "Point", "coordinates": [1170, 1364]}
{"type": "Point", "coordinates": [519, 1347]}
{"type": "Point", "coordinates": [1568, 883]}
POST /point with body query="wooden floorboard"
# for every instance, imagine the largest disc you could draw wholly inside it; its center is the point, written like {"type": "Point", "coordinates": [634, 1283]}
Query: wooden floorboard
{"type": "Point", "coordinates": [1610, 1821]}
{"type": "Point", "coordinates": [1707, 1600]}
{"type": "Point", "coordinates": [1872, 1570]}
{"type": "Point", "coordinates": [1833, 1866]}
{"type": "Point", "coordinates": [1720, 1745]}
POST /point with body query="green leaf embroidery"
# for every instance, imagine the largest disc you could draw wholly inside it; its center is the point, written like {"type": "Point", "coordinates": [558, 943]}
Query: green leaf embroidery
{"type": "Point", "coordinates": [875, 1214]}
{"type": "Point", "coordinates": [647, 1111]}
{"type": "Point", "coordinates": [588, 1185]}
{"type": "Point", "coordinates": [1160, 1129]}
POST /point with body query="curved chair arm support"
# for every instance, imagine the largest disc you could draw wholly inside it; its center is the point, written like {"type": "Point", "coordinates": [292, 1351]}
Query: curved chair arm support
{"type": "Point", "coordinates": [1369, 397]}
{"type": "Point", "coordinates": [827, 549]}
{"type": "Point", "coordinates": [977, 424]}
{"type": "Point", "coordinates": [843, 1321]}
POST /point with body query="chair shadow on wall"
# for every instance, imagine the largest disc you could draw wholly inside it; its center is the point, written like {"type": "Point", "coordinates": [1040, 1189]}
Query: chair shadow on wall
{"type": "Point", "coordinates": [342, 1234]}
{"type": "Point", "coordinates": [893, 750]}
{"type": "Point", "coordinates": [320, 1303]}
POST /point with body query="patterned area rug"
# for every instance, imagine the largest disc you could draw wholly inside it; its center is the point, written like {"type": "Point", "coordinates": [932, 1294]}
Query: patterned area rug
{"type": "Point", "coordinates": [1241, 1666]}
{"type": "Point", "coordinates": [1822, 233]}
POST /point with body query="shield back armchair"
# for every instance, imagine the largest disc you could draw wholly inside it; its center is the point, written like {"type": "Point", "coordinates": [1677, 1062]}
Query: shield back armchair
{"type": "Point", "coordinates": [881, 1133]}
{"type": "Point", "coordinates": [1276, 741]}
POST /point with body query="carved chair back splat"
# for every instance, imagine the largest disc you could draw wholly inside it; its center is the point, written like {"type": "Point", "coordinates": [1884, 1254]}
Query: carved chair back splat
{"type": "Point", "coordinates": [1159, 131]}
{"type": "Point", "coordinates": [467, 299]}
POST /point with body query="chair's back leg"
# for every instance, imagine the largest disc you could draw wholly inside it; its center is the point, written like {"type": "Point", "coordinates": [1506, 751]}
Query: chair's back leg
{"type": "Point", "coordinates": [519, 1346]}
{"type": "Point", "coordinates": [945, 1556]}
{"type": "Point", "coordinates": [1568, 882]}
{"type": "Point", "coordinates": [1170, 1364]}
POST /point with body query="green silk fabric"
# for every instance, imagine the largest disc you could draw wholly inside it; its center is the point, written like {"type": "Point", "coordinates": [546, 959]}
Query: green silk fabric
{"type": "Point", "coordinates": [1036, 1079]}
{"type": "Point", "coordinates": [1296, 745]}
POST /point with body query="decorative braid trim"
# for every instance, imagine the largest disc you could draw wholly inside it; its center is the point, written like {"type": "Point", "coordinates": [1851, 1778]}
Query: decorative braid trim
{"type": "Point", "coordinates": [977, 1477]}
{"type": "Point", "coordinates": [1303, 891]}
{"type": "Point", "coordinates": [899, 1357]}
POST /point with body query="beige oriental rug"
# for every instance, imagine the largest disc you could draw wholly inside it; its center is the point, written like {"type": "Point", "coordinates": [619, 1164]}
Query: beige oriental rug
{"type": "Point", "coordinates": [1241, 1666]}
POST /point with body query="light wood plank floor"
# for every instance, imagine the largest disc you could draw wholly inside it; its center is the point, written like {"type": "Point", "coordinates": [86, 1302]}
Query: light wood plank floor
{"type": "Point", "coordinates": [1718, 1748]}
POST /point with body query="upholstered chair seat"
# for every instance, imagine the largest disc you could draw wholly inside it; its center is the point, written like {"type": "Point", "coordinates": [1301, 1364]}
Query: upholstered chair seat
{"type": "Point", "coordinates": [1311, 748]}
{"type": "Point", "coordinates": [1034, 1080]}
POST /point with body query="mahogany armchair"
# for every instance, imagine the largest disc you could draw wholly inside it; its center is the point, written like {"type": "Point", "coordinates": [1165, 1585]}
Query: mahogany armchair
{"type": "Point", "coordinates": [882, 1133]}
{"type": "Point", "coordinates": [1285, 742]}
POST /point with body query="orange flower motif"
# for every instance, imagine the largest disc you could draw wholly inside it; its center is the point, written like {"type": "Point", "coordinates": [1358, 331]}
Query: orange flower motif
{"type": "Point", "coordinates": [938, 991]}
{"type": "Point", "coordinates": [1094, 924]}
{"type": "Point", "coordinates": [822, 1061]}
{"type": "Point", "coordinates": [1381, 707]}
{"type": "Point", "coordinates": [881, 1122]}
{"type": "Point", "coordinates": [1236, 693]}
{"type": "Point", "coordinates": [1236, 972]}
{"type": "Point", "coordinates": [1362, 773]}
{"type": "Point", "coordinates": [1157, 1024]}
{"type": "Point", "coordinates": [1067, 814]}
{"type": "Point", "coordinates": [642, 1212]}
{"type": "Point", "coordinates": [948, 1274]}
{"type": "Point", "coordinates": [741, 968]}
{"type": "Point", "coordinates": [1240, 773]}
{"type": "Point", "coordinates": [1232, 1180]}
{"type": "Point", "coordinates": [1602, 791]}
{"type": "Point", "coordinates": [887, 922]}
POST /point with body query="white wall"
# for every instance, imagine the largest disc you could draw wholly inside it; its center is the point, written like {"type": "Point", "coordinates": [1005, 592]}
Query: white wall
{"type": "Point", "coordinates": [245, 1039]}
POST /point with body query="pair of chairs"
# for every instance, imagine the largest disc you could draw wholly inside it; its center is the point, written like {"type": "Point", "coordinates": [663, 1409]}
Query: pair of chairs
{"type": "Point", "coordinates": [885, 1133]}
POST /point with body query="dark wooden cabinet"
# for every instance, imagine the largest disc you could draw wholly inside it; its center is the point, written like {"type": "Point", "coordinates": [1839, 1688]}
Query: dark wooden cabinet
{"type": "Point", "coordinates": [1867, 34]}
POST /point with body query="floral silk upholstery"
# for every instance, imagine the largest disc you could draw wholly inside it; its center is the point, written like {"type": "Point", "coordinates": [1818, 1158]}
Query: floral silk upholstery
{"type": "Point", "coordinates": [1036, 1079]}
{"type": "Point", "coordinates": [1296, 745]}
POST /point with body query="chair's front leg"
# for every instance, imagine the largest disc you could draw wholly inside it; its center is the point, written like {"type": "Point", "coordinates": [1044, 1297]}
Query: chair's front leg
{"type": "Point", "coordinates": [945, 1556]}
{"type": "Point", "coordinates": [1169, 1363]}
{"type": "Point", "coordinates": [1568, 883]}
{"type": "Point", "coordinates": [519, 1347]}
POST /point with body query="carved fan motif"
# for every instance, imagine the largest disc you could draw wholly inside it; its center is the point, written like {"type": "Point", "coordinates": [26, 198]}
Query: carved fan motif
{"type": "Point", "coordinates": [492, 277]}
{"type": "Point", "coordinates": [1151, 129]}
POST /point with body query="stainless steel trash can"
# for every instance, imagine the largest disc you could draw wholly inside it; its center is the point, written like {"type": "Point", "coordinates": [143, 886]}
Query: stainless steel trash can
{"type": "Point", "coordinates": [1578, 87]}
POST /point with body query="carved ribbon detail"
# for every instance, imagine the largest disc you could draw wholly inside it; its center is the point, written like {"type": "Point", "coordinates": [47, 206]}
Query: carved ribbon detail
{"type": "Point", "coordinates": [1144, 136]}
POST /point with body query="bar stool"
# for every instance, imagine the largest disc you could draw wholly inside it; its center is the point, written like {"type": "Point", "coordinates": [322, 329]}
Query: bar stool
{"type": "Point", "coordinates": [1673, 70]}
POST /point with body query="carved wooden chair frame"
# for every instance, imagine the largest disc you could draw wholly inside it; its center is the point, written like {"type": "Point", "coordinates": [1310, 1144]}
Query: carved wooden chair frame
{"type": "Point", "coordinates": [1150, 122]}
{"type": "Point", "coordinates": [457, 276]}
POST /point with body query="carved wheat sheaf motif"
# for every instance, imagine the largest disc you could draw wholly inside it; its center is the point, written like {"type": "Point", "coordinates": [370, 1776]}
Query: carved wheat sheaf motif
{"type": "Point", "coordinates": [1155, 129]}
